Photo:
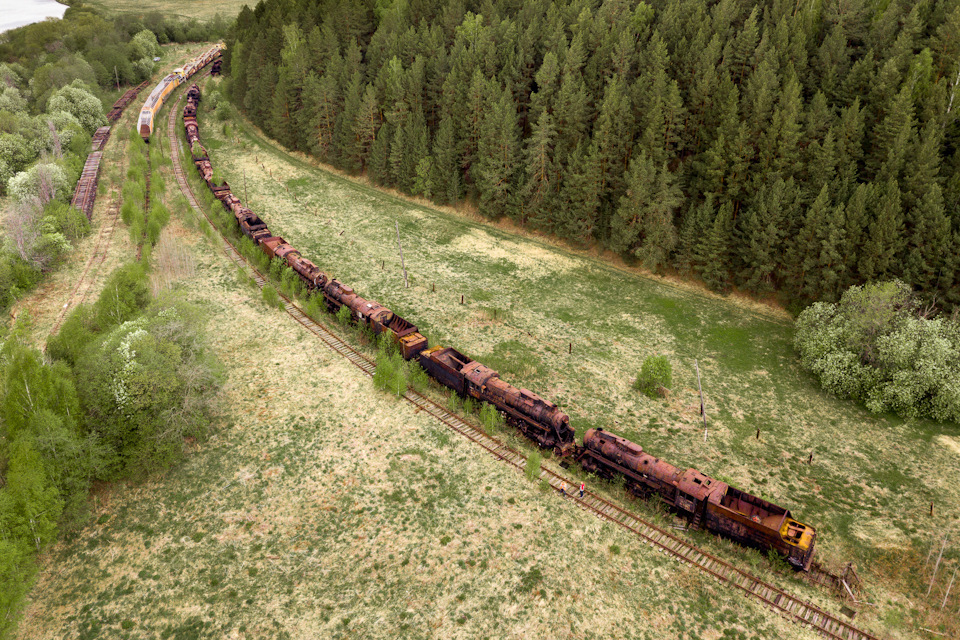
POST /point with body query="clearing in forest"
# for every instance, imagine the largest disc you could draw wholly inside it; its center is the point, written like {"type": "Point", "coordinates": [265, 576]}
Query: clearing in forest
{"type": "Point", "coordinates": [576, 329]}
{"type": "Point", "coordinates": [325, 508]}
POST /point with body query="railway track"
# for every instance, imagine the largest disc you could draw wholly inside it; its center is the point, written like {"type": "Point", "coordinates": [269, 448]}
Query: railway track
{"type": "Point", "coordinates": [146, 208]}
{"type": "Point", "coordinates": [99, 255]}
{"type": "Point", "coordinates": [790, 607]}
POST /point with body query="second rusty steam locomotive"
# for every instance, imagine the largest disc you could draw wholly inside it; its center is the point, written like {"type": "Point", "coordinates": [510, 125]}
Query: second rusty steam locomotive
{"type": "Point", "coordinates": [706, 502]}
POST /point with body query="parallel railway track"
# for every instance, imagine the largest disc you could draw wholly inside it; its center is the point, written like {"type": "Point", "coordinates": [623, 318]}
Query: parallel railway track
{"type": "Point", "coordinates": [790, 607]}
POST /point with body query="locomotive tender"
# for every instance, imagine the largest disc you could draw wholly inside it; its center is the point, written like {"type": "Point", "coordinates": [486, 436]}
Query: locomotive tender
{"type": "Point", "coordinates": [706, 502]}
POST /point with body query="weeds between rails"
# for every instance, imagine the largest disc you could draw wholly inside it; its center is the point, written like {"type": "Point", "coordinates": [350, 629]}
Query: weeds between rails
{"type": "Point", "coordinates": [707, 503]}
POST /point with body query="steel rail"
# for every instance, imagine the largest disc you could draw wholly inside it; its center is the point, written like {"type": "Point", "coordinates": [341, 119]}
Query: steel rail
{"type": "Point", "coordinates": [790, 607]}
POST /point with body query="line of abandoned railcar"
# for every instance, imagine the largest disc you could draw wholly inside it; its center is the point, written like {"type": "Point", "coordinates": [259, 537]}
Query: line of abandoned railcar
{"type": "Point", "coordinates": [705, 502]}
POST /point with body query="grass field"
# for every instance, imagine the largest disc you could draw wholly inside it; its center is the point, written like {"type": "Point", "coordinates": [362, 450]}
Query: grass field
{"type": "Point", "coordinates": [200, 9]}
{"type": "Point", "coordinates": [323, 508]}
{"type": "Point", "coordinates": [872, 479]}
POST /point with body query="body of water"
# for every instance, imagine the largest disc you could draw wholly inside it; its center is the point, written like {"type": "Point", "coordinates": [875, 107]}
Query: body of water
{"type": "Point", "coordinates": [17, 13]}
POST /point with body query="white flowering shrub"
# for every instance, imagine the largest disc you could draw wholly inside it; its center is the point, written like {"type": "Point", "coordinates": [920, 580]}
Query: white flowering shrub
{"type": "Point", "coordinates": [80, 103]}
{"type": "Point", "coordinates": [44, 181]}
{"type": "Point", "coordinates": [873, 346]}
{"type": "Point", "coordinates": [146, 385]}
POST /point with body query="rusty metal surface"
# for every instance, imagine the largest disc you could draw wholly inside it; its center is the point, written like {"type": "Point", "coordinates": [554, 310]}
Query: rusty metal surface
{"type": "Point", "coordinates": [85, 195]}
{"type": "Point", "coordinates": [129, 96]}
{"type": "Point", "coordinates": [204, 168]}
{"type": "Point", "coordinates": [719, 507]}
{"type": "Point", "coordinates": [539, 419]}
{"type": "Point", "coordinates": [791, 607]}
{"type": "Point", "coordinates": [100, 137]}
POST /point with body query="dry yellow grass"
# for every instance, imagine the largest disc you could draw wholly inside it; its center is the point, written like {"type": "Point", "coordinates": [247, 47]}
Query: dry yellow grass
{"type": "Point", "coordinates": [323, 508]}
{"type": "Point", "coordinates": [199, 9]}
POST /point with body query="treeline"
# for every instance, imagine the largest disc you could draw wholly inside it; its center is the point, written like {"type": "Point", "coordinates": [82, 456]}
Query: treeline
{"type": "Point", "coordinates": [769, 145]}
{"type": "Point", "coordinates": [121, 386]}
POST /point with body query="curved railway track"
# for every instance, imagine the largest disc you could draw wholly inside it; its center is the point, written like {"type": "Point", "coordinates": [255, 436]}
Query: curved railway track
{"type": "Point", "coordinates": [789, 606]}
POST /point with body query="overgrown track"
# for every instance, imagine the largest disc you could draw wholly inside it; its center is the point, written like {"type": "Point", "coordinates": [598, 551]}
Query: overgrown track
{"type": "Point", "coordinates": [146, 208]}
{"type": "Point", "coordinates": [83, 286]}
{"type": "Point", "coordinates": [790, 607]}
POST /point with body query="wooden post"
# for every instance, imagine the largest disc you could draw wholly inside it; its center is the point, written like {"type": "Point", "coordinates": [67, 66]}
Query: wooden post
{"type": "Point", "coordinates": [703, 411]}
{"type": "Point", "coordinates": [406, 284]}
{"type": "Point", "coordinates": [571, 348]}
{"type": "Point", "coordinates": [461, 298]}
{"type": "Point", "coordinates": [758, 434]}
{"type": "Point", "coordinates": [810, 459]}
{"type": "Point", "coordinates": [433, 288]}
{"type": "Point", "coordinates": [937, 566]}
{"type": "Point", "coordinates": [949, 586]}
{"type": "Point", "coordinates": [931, 509]}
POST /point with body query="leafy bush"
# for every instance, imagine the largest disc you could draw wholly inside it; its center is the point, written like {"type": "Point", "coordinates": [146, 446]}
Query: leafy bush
{"type": "Point", "coordinates": [46, 181]}
{"type": "Point", "coordinates": [81, 104]}
{"type": "Point", "coordinates": [75, 334]}
{"type": "Point", "coordinates": [875, 347]}
{"type": "Point", "coordinates": [125, 294]}
{"type": "Point", "coordinates": [40, 234]}
{"type": "Point", "coordinates": [344, 317]}
{"type": "Point", "coordinates": [490, 417]}
{"type": "Point", "coordinates": [386, 344]}
{"type": "Point", "coordinates": [416, 376]}
{"type": "Point", "coordinates": [533, 465]}
{"type": "Point", "coordinates": [656, 372]}
{"type": "Point", "coordinates": [131, 210]}
{"type": "Point", "coordinates": [390, 372]}
{"type": "Point", "coordinates": [146, 386]}
{"type": "Point", "coordinates": [270, 296]}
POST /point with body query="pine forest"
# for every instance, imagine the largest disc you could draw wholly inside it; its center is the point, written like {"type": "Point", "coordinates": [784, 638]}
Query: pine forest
{"type": "Point", "coordinates": [789, 146]}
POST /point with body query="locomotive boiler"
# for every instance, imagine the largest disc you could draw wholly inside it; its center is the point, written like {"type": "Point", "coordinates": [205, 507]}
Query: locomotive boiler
{"type": "Point", "coordinates": [538, 419]}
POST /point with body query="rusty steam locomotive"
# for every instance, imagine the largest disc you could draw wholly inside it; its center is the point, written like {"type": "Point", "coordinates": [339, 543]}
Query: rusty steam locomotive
{"type": "Point", "coordinates": [706, 502]}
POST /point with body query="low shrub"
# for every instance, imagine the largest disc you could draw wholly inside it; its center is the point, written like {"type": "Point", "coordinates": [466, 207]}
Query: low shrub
{"type": "Point", "coordinates": [270, 296]}
{"type": "Point", "coordinates": [533, 465]}
{"type": "Point", "coordinates": [656, 372]}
